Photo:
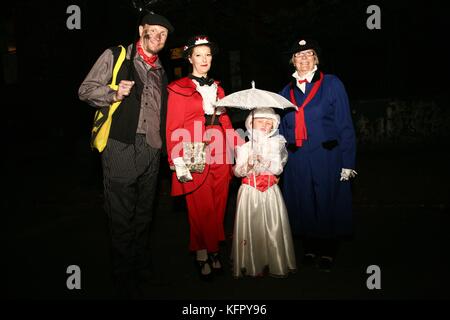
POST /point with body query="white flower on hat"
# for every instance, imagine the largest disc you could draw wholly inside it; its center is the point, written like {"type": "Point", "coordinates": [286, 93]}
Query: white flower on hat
{"type": "Point", "coordinates": [201, 41]}
{"type": "Point", "coordinates": [302, 42]}
{"type": "Point", "coordinates": [185, 48]}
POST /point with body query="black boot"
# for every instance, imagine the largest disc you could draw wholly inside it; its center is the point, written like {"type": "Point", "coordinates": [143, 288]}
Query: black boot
{"type": "Point", "coordinates": [202, 266]}
{"type": "Point", "coordinates": [216, 263]}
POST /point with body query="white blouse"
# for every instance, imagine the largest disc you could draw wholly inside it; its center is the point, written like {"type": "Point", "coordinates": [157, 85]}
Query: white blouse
{"type": "Point", "coordinates": [308, 76]}
{"type": "Point", "coordinates": [209, 96]}
{"type": "Point", "coordinates": [268, 154]}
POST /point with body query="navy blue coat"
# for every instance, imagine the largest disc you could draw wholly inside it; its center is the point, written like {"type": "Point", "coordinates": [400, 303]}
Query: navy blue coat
{"type": "Point", "coordinates": [318, 203]}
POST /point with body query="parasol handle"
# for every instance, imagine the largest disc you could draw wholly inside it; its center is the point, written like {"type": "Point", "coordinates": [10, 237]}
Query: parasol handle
{"type": "Point", "coordinates": [253, 118]}
{"type": "Point", "coordinates": [253, 84]}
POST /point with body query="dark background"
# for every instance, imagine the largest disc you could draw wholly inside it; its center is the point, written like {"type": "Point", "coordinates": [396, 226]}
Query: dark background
{"type": "Point", "coordinates": [406, 59]}
{"type": "Point", "coordinates": [397, 82]}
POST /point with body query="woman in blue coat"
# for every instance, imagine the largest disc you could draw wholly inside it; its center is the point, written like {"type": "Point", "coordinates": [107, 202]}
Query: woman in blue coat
{"type": "Point", "coordinates": [321, 144]}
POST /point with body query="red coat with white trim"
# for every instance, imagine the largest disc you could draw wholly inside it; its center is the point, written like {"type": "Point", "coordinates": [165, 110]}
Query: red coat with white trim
{"type": "Point", "coordinates": [185, 111]}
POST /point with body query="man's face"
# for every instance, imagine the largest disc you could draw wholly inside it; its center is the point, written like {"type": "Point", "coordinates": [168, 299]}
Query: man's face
{"type": "Point", "coordinates": [153, 37]}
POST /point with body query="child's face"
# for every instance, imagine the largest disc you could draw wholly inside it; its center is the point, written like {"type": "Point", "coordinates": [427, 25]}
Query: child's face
{"type": "Point", "coordinates": [263, 124]}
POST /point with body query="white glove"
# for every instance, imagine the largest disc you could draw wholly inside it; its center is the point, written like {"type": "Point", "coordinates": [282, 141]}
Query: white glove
{"type": "Point", "coordinates": [183, 173]}
{"type": "Point", "coordinates": [220, 110]}
{"type": "Point", "coordinates": [260, 164]}
{"type": "Point", "coordinates": [346, 174]}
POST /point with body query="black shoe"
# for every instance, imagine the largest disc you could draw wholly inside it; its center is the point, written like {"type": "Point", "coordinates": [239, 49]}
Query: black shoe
{"type": "Point", "coordinates": [201, 265]}
{"type": "Point", "coordinates": [215, 258]}
{"type": "Point", "coordinates": [309, 260]}
{"type": "Point", "coordinates": [325, 264]}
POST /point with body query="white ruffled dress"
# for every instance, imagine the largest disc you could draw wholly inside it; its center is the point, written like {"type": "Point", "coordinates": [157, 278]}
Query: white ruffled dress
{"type": "Point", "coordinates": [262, 240]}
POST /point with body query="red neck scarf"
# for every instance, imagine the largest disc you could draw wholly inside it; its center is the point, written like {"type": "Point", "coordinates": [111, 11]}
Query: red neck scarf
{"type": "Point", "coordinates": [300, 126]}
{"type": "Point", "coordinates": [150, 60]}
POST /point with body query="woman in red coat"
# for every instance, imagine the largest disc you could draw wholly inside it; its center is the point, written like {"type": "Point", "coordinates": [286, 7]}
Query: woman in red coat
{"type": "Point", "coordinates": [192, 117]}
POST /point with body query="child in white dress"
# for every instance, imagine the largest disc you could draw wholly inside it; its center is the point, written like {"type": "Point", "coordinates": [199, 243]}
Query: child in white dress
{"type": "Point", "coordinates": [262, 241]}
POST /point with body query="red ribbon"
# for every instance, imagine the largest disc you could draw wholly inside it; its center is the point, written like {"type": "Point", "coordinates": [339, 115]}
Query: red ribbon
{"type": "Point", "coordinates": [263, 181]}
{"type": "Point", "coordinates": [300, 126]}
{"type": "Point", "coordinates": [150, 60]}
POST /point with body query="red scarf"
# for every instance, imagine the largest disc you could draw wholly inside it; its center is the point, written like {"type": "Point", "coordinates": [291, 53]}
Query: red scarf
{"type": "Point", "coordinates": [150, 60]}
{"type": "Point", "coordinates": [300, 126]}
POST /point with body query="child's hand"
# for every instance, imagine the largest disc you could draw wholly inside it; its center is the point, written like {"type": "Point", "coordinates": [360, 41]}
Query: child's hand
{"type": "Point", "coordinates": [250, 166]}
{"type": "Point", "coordinates": [251, 163]}
{"type": "Point", "coordinates": [260, 164]}
{"type": "Point", "coordinates": [252, 159]}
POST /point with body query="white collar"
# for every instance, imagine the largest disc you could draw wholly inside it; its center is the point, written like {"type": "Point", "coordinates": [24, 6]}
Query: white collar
{"type": "Point", "coordinates": [308, 76]}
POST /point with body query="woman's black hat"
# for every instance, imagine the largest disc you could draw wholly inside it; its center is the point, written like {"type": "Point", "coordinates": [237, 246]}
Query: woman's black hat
{"type": "Point", "coordinates": [305, 44]}
{"type": "Point", "coordinates": [199, 40]}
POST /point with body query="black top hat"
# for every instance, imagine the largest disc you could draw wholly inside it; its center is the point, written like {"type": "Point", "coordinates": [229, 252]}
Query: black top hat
{"type": "Point", "coordinates": [199, 40]}
{"type": "Point", "coordinates": [156, 19]}
{"type": "Point", "coordinates": [305, 44]}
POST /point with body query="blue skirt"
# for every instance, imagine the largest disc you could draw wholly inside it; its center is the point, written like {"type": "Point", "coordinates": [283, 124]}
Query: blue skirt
{"type": "Point", "coordinates": [318, 203]}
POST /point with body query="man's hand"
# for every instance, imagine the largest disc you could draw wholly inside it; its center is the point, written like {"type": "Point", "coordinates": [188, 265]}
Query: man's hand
{"type": "Point", "coordinates": [123, 90]}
